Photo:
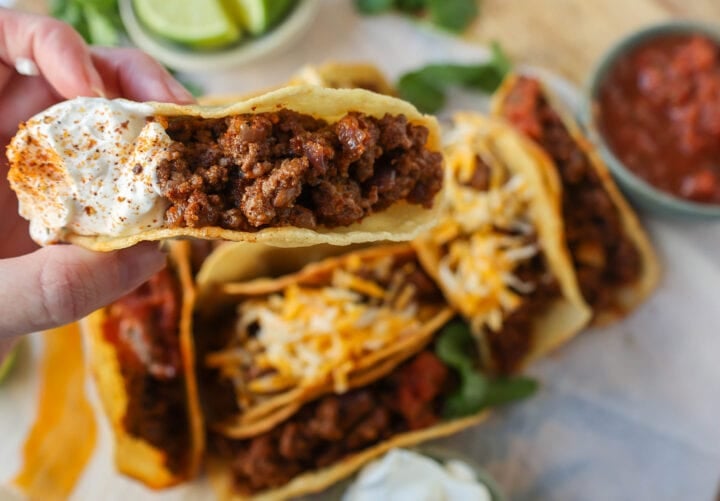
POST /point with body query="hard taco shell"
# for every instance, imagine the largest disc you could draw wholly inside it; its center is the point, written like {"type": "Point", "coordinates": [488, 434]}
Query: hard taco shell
{"type": "Point", "coordinates": [567, 315]}
{"type": "Point", "coordinates": [316, 481]}
{"type": "Point", "coordinates": [134, 456]}
{"type": "Point", "coordinates": [629, 297]}
{"type": "Point", "coordinates": [399, 222]}
{"type": "Point", "coordinates": [268, 412]}
{"type": "Point", "coordinates": [337, 75]}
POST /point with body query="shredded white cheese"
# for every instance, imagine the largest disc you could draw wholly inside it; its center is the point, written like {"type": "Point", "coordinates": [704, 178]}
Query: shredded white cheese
{"type": "Point", "coordinates": [486, 235]}
{"type": "Point", "coordinates": [309, 335]}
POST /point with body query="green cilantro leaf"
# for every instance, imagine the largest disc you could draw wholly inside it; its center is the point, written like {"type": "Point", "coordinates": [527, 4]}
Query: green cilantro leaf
{"type": "Point", "coordinates": [453, 345]}
{"type": "Point", "coordinates": [453, 15]}
{"type": "Point", "coordinates": [504, 390]}
{"type": "Point", "coordinates": [476, 391]}
{"type": "Point", "coordinates": [425, 87]}
{"type": "Point", "coordinates": [101, 28]}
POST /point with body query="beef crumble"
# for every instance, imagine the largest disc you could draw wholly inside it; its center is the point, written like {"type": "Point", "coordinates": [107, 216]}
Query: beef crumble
{"type": "Point", "coordinates": [248, 172]}
{"type": "Point", "coordinates": [512, 343]}
{"type": "Point", "coordinates": [143, 327]}
{"type": "Point", "coordinates": [327, 430]}
{"type": "Point", "coordinates": [603, 255]}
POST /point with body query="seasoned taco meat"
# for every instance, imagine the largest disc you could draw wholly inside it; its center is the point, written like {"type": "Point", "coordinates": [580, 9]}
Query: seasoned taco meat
{"type": "Point", "coordinates": [143, 327]}
{"type": "Point", "coordinates": [603, 255]}
{"type": "Point", "coordinates": [248, 172]}
{"type": "Point", "coordinates": [326, 430]}
{"type": "Point", "coordinates": [511, 344]}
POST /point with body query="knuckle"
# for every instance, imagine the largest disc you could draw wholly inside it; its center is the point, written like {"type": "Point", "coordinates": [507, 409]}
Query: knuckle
{"type": "Point", "coordinates": [57, 30]}
{"type": "Point", "coordinates": [139, 55]}
{"type": "Point", "coordinates": [66, 291]}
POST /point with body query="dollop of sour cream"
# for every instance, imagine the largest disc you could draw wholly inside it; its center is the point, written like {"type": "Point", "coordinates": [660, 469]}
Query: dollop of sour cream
{"type": "Point", "coordinates": [88, 166]}
{"type": "Point", "coordinates": [403, 475]}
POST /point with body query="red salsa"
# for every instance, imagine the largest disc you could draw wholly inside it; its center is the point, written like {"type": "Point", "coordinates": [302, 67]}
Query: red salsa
{"type": "Point", "coordinates": [659, 111]}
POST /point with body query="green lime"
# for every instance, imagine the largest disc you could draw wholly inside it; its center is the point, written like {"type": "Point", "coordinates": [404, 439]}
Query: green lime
{"type": "Point", "coordinates": [257, 16]}
{"type": "Point", "coordinates": [198, 23]}
{"type": "Point", "coordinates": [7, 364]}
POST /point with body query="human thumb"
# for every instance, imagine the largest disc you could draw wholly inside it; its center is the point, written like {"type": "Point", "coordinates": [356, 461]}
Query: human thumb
{"type": "Point", "coordinates": [62, 283]}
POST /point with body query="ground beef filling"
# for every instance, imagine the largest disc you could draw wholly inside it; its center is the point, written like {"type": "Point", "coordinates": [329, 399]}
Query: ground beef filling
{"type": "Point", "coordinates": [333, 427]}
{"type": "Point", "coordinates": [510, 345]}
{"type": "Point", "coordinates": [249, 172]}
{"type": "Point", "coordinates": [603, 255]}
{"type": "Point", "coordinates": [143, 327]}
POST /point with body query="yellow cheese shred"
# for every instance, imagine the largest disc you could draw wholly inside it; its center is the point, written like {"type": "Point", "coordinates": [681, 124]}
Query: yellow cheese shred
{"type": "Point", "coordinates": [486, 236]}
{"type": "Point", "coordinates": [308, 335]}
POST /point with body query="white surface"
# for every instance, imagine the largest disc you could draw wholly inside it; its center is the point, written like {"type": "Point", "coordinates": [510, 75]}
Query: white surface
{"type": "Point", "coordinates": [625, 413]}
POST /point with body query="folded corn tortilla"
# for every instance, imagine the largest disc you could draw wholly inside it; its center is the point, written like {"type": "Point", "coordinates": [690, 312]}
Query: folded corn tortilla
{"type": "Point", "coordinates": [498, 252]}
{"type": "Point", "coordinates": [613, 257]}
{"type": "Point", "coordinates": [102, 173]}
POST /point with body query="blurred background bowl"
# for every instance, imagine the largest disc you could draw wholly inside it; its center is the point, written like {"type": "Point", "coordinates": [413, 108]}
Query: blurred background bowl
{"type": "Point", "coordinates": [640, 191]}
{"type": "Point", "coordinates": [182, 58]}
{"type": "Point", "coordinates": [439, 454]}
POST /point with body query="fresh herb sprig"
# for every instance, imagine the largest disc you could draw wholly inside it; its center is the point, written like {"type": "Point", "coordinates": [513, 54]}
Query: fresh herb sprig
{"type": "Point", "coordinates": [426, 87]}
{"type": "Point", "coordinates": [99, 23]}
{"type": "Point", "coordinates": [476, 391]}
{"type": "Point", "coordinates": [452, 15]}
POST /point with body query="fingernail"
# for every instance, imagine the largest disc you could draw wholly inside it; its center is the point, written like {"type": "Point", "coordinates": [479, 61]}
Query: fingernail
{"type": "Point", "coordinates": [96, 83]}
{"type": "Point", "coordinates": [181, 94]}
{"type": "Point", "coordinates": [139, 263]}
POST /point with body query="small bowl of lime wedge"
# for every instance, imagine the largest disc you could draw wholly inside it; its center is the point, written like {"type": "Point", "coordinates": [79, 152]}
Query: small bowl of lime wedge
{"type": "Point", "coordinates": [207, 35]}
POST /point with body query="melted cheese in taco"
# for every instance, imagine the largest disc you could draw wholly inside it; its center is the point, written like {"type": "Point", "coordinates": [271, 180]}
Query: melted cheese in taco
{"type": "Point", "coordinates": [99, 168]}
{"type": "Point", "coordinates": [325, 333]}
{"type": "Point", "coordinates": [486, 243]}
{"type": "Point", "coordinates": [363, 325]}
{"type": "Point", "coordinates": [311, 334]}
{"type": "Point", "coordinates": [489, 255]}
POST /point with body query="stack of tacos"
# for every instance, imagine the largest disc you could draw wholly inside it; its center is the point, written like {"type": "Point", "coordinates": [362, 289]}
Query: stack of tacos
{"type": "Point", "coordinates": [299, 366]}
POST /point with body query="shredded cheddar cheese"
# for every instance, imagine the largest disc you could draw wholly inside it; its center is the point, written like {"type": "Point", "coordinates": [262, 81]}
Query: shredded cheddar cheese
{"type": "Point", "coordinates": [310, 335]}
{"type": "Point", "coordinates": [485, 235]}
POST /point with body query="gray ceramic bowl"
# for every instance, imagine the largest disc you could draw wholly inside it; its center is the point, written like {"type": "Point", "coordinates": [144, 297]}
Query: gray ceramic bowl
{"type": "Point", "coordinates": [636, 188]}
{"type": "Point", "coordinates": [184, 59]}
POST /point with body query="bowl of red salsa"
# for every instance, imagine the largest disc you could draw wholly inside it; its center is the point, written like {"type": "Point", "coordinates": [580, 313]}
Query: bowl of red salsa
{"type": "Point", "coordinates": [654, 112]}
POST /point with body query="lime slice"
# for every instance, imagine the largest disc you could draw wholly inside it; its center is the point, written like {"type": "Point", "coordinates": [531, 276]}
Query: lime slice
{"type": "Point", "coordinates": [257, 16]}
{"type": "Point", "coordinates": [198, 23]}
{"type": "Point", "coordinates": [7, 364]}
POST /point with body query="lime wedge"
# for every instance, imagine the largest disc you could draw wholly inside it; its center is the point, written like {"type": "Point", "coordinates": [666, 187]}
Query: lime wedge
{"type": "Point", "coordinates": [7, 364]}
{"type": "Point", "coordinates": [257, 16]}
{"type": "Point", "coordinates": [198, 23]}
